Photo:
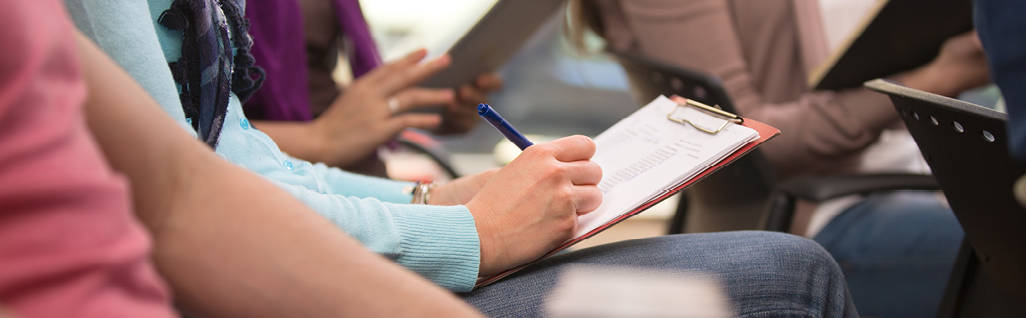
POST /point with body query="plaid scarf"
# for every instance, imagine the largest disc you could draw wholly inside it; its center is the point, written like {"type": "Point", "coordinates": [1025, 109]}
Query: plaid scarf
{"type": "Point", "coordinates": [215, 61]}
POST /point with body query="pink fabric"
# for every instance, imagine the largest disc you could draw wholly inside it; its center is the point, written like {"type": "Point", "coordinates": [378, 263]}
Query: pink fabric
{"type": "Point", "coordinates": [763, 51]}
{"type": "Point", "coordinates": [69, 246]}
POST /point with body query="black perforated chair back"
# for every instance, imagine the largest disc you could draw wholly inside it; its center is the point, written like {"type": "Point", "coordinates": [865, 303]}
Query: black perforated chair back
{"type": "Point", "coordinates": [735, 196]}
{"type": "Point", "coordinates": [966, 147]}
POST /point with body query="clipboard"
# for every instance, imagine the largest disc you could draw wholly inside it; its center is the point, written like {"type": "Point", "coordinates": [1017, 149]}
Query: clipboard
{"type": "Point", "coordinates": [766, 132]}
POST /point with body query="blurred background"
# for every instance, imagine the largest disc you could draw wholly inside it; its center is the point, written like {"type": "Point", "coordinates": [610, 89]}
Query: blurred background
{"type": "Point", "coordinates": [549, 89]}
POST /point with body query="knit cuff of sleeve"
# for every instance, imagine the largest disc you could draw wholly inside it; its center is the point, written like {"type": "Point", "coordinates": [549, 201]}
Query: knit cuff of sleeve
{"type": "Point", "coordinates": [439, 243]}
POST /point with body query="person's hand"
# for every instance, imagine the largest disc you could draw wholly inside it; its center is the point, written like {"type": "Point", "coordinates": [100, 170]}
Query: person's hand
{"type": "Point", "coordinates": [531, 205]}
{"type": "Point", "coordinates": [374, 109]}
{"type": "Point", "coordinates": [461, 114]}
{"type": "Point", "coordinates": [961, 65]}
{"type": "Point", "coordinates": [461, 190]}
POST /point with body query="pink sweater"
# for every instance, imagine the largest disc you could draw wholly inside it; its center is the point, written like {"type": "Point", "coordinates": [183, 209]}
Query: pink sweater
{"type": "Point", "coordinates": [69, 245]}
{"type": "Point", "coordinates": [763, 50]}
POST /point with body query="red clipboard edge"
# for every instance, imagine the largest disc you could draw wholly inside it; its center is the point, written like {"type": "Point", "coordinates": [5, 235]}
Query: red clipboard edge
{"type": "Point", "coordinates": [766, 132]}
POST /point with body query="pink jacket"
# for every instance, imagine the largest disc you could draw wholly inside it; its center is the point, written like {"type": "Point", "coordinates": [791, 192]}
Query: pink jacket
{"type": "Point", "coordinates": [763, 51]}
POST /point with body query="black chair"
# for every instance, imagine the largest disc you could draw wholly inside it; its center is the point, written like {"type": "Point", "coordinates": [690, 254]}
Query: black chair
{"type": "Point", "coordinates": [746, 194]}
{"type": "Point", "coordinates": [966, 147]}
{"type": "Point", "coordinates": [433, 150]}
{"type": "Point", "coordinates": [822, 188]}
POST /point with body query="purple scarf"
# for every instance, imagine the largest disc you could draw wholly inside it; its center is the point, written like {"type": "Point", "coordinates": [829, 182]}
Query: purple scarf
{"type": "Point", "coordinates": [277, 30]}
{"type": "Point", "coordinates": [213, 63]}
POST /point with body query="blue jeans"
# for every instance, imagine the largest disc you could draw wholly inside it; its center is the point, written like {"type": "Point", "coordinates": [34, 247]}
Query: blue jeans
{"type": "Point", "coordinates": [897, 251]}
{"type": "Point", "coordinates": [766, 274]}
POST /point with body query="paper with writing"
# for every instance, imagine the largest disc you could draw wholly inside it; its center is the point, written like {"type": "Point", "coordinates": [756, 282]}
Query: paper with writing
{"type": "Point", "coordinates": [645, 155]}
{"type": "Point", "coordinates": [646, 158]}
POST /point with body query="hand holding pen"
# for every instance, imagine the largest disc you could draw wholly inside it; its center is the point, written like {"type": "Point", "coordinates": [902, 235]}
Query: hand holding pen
{"type": "Point", "coordinates": [531, 205]}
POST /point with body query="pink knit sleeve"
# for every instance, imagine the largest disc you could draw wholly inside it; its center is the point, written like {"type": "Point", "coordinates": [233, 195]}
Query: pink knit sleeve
{"type": "Point", "coordinates": [69, 245]}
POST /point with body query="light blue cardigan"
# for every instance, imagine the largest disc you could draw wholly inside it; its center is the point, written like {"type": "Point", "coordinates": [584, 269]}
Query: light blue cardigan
{"type": "Point", "coordinates": [440, 243]}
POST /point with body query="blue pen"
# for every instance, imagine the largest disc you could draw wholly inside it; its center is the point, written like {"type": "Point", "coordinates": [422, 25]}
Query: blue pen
{"type": "Point", "coordinates": [503, 126]}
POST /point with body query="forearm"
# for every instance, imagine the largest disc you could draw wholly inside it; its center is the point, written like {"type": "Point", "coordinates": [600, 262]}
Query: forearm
{"type": "Point", "coordinates": [825, 131]}
{"type": "Point", "coordinates": [929, 78]}
{"type": "Point", "coordinates": [227, 254]}
{"type": "Point", "coordinates": [228, 242]}
{"type": "Point", "coordinates": [438, 242]}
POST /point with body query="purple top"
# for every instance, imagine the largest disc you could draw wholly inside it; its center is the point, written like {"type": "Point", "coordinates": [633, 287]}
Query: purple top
{"type": "Point", "coordinates": [279, 48]}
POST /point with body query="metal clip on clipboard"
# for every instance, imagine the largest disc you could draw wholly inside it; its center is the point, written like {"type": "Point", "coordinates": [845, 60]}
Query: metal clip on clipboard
{"type": "Point", "coordinates": [712, 110]}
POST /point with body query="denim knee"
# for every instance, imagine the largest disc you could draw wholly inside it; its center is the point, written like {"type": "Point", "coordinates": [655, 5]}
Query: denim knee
{"type": "Point", "coordinates": [789, 274]}
{"type": "Point", "coordinates": [787, 253]}
{"type": "Point", "coordinates": [786, 246]}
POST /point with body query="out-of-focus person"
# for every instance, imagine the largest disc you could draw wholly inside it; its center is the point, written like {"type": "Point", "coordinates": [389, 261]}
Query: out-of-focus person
{"type": "Point", "coordinates": [311, 116]}
{"type": "Point", "coordinates": [896, 249]}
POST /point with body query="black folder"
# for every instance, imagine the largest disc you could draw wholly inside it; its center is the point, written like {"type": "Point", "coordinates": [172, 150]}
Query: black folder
{"type": "Point", "coordinates": [899, 35]}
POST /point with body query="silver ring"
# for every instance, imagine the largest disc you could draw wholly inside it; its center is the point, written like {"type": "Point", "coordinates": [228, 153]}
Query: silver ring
{"type": "Point", "coordinates": [393, 105]}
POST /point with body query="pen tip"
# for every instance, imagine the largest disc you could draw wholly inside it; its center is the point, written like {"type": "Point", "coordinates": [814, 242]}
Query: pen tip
{"type": "Point", "coordinates": [482, 108]}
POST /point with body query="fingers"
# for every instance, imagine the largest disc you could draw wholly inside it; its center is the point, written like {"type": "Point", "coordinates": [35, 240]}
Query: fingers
{"type": "Point", "coordinates": [405, 62]}
{"type": "Point", "coordinates": [414, 98]}
{"type": "Point", "coordinates": [406, 75]}
{"type": "Point", "coordinates": [488, 82]}
{"type": "Point", "coordinates": [585, 176]}
{"type": "Point", "coordinates": [471, 95]}
{"type": "Point", "coordinates": [421, 121]}
{"type": "Point", "coordinates": [459, 118]}
{"type": "Point", "coordinates": [587, 198]}
{"type": "Point", "coordinates": [583, 172]}
{"type": "Point", "coordinates": [572, 148]}
{"type": "Point", "coordinates": [462, 109]}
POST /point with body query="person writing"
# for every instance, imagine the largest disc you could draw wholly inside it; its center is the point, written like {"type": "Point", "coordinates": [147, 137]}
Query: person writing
{"type": "Point", "coordinates": [470, 228]}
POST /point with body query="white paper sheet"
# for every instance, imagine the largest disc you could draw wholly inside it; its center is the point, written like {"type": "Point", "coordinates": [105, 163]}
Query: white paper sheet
{"type": "Point", "coordinates": [645, 155]}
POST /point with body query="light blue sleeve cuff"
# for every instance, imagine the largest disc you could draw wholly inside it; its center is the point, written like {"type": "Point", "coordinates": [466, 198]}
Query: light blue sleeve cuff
{"type": "Point", "coordinates": [437, 242]}
{"type": "Point", "coordinates": [440, 243]}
